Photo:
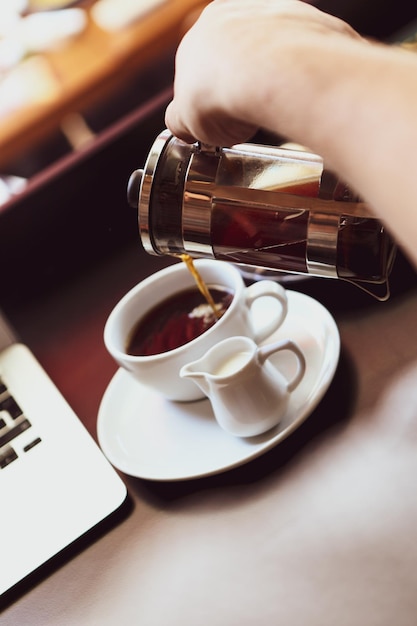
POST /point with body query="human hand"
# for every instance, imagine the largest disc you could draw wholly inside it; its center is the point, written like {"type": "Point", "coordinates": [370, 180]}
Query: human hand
{"type": "Point", "coordinates": [244, 65]}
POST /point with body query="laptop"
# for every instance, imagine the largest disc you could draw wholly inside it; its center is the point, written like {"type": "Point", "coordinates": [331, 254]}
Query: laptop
{"type": "Point", "coordinates": [57, 490]}
{"type": "Point", "coordinates": [55, 483]}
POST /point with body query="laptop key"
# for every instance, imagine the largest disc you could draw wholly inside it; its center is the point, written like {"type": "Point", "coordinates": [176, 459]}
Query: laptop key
{"type": "Point", "coordinates": [7, 456]}
{"type": "Point", "coordinates": [10, 405]}
{"type": "Point", "coordinates": [32, 444]}
{"type": "Point", "coordinates": [11, 433]}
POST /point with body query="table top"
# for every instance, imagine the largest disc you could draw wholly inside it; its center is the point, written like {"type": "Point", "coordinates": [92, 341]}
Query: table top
{"type": "Point", "coordinates": [320, 530]}
{"type": "Point", "coordinates": [87, 69]}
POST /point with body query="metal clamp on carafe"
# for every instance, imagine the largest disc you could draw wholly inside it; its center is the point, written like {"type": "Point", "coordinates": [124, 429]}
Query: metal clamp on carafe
{"type": "Point", "coordinates": [263, 206]}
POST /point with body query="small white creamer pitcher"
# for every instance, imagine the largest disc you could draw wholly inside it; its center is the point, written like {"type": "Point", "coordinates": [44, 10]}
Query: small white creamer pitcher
{"type": "Point", "coordinates": [249, 395]}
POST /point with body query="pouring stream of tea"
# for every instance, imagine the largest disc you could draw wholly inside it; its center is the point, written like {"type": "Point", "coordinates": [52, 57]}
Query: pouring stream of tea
{"type": "Point", "coordinates": [200, 283]}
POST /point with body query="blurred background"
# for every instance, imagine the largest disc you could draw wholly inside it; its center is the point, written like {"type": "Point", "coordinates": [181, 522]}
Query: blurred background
{"type": "Point", "coordinates": [70, 69]}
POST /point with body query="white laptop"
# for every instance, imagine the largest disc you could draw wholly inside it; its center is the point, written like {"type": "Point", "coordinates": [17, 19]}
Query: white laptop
{"type": "Point", "coordinates": [55, 483]}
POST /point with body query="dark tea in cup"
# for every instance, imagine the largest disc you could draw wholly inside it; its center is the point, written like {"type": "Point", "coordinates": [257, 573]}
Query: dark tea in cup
{"type": "Point", "coordinates": [162, 313]}
{"type": "Point", "coordinates": [177, 320]}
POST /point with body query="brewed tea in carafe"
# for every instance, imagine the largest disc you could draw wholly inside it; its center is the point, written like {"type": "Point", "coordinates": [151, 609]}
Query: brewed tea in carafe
{"type": "Point", "coordinates": [271, 207]}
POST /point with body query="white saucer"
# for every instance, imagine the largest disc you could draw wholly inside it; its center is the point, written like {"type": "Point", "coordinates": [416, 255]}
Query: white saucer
{"type": "Point", "coordinates": [147, 436]}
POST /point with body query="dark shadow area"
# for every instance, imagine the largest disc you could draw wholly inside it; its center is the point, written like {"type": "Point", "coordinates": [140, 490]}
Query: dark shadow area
{"type": "Point", "coordinates": [379, 20]}
{"type": "Point", "coordinates": [75, 212]}
{"type": "Point", "coordinates": [332, 412]}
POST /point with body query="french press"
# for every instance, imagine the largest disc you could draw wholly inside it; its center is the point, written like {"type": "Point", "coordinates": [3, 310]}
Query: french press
{"type": "Point", "coordinates": [273, 207]}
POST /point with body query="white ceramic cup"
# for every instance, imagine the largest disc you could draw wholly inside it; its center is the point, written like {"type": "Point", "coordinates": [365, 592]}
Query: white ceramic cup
{"type": "Point", "coordinates": [161, 371]}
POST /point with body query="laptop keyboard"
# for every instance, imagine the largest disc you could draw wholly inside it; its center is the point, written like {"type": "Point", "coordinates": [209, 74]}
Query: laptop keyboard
{"type": "Point", "coordinates": [13, 423]}
{"type": "Point", "coordinates": [49, 499]}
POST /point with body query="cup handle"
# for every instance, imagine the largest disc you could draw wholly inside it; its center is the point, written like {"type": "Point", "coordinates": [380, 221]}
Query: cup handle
{"type": "Point", "coordinates": [264, 352]}
{"type": "Point", "coordinates": [264, 288]}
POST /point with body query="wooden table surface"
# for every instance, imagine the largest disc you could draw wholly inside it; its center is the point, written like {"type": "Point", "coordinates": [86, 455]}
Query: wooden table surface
{"type": "Point", "coordinates": [89, 68]}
